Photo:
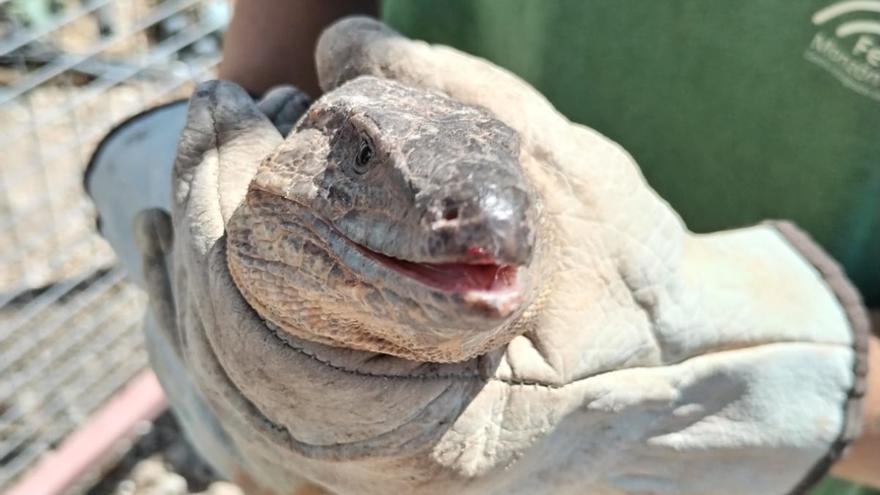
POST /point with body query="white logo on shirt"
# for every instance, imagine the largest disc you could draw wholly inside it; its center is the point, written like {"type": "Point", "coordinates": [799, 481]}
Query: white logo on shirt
{"type": "Point", "coordinates": [848, 44]}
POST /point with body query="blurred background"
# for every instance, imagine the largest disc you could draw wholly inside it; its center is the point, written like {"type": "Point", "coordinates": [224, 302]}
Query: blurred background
{"type": "Point", "coordinates": [69, 322]}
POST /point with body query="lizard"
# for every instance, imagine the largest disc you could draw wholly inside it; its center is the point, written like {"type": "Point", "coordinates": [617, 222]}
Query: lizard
{"type": "Point", "coordinates": [400, 216]}
{"type": "Point", "coordinates": [439, 284]}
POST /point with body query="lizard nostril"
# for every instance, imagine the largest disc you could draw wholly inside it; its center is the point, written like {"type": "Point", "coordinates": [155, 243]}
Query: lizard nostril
{"type": "Point", "coordinates": [450, 212]}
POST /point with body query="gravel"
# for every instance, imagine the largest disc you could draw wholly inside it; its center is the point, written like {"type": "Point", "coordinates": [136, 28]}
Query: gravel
{"type": "Point", "coordinates": [161, 462]}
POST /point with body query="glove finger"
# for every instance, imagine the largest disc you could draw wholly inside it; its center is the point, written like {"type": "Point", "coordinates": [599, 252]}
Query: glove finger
{"type": "Point", "coordinates": [154, 236]}
{"type": "Point", "coordinates": [224, 125]}
{"type": "Point", "coordinates": [284, 105]}
{"type": "Point", "coordinates": [357, 46]}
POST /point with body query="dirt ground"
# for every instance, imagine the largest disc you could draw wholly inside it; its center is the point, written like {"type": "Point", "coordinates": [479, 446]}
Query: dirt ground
{"type": "Point", "coordinates": [161, 462]}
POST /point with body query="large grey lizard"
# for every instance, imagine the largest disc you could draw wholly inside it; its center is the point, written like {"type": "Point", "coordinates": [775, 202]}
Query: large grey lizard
{"type": "Point", "coordinates": [436, 283]}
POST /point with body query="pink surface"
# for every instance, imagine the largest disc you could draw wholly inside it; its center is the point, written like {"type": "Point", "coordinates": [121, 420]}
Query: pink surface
{"type": "Point", "coordinates": [142, 399]}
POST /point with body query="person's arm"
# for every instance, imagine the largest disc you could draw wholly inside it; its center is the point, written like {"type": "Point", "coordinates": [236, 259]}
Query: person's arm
{"type": "Point", "coordinates": [862, 462]}
{"type": "Point", "coordinates": [271, 42]}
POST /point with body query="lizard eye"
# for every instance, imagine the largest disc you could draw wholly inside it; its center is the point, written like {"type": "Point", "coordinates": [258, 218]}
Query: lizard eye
{"type": "Point", "coordinates": [363, 158]}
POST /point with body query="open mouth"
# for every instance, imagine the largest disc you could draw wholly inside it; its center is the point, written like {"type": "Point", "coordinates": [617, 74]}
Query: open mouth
{"type": "Point", "coordinates": [492, 288]}
{"type": "Point", "coordinates": [478, 272]}
{"type": "Point", "coordinates": [481, 276]}
{"type": "Point", "coordinates": [495, 289]}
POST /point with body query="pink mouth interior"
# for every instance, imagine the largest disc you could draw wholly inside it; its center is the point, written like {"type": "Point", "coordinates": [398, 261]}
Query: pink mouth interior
{"type": "Point", "coordinates": [453, 277]}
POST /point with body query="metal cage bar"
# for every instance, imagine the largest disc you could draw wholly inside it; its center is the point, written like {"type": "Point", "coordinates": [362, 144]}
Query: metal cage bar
{"type": "Point", "coordinates": [69, 320]}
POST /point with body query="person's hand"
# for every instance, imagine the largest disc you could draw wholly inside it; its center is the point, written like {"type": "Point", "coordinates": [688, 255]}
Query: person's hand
{"type": "Point", "coordinates": [747, 291]}
{"type": "Point", "coordinates": [129, 179]}
{"type": "Point", "coordinates": [654, 360]}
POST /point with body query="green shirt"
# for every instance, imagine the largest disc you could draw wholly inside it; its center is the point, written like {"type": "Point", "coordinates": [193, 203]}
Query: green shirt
{"type": "Point", "coordinates": [735, 111]}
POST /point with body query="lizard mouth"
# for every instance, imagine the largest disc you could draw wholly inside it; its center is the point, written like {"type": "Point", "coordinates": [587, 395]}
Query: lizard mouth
{"type": "Point", "coordinates": [491, 288]}
{"type": "Point", "coordinates": [476, 272]}
{"type": "Point", "coordinates": [459, 277]}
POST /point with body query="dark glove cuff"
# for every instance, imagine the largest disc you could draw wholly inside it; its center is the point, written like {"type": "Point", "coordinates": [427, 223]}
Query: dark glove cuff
{"type": "Point", "coordinates": [118, 128]}
{"type": "Point", "coordinates": [851, 302]}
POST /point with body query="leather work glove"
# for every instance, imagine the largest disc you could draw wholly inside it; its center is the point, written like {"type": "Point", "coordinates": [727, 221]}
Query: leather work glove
{"type": "Point", "coordinates": [653, 360]}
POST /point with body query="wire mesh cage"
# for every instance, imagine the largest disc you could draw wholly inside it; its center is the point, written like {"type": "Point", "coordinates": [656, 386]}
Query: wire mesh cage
{"type": "Point", "coordinates": [69, 320]}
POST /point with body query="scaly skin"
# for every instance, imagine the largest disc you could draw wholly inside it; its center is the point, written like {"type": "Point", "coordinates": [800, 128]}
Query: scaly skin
{"type": "Point", "coordinates": [442, 183]}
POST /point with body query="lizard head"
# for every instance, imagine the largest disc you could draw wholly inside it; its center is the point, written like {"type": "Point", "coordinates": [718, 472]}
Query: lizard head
{"type": "Point", "coordinates": [391, 219]}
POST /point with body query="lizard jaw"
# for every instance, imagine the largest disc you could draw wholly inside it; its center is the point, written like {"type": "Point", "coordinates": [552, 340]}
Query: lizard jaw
{"type": "Point", "coordinates": [452, 277]}
{"type": "Point", "coordinates": [481, 284]}
{"type": "Point", "coordinates": [478, 281]}
{"type": "Point", "coordinates": [492, 288]}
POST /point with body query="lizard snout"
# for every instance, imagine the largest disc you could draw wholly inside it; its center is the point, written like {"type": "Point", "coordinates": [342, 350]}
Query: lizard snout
{"type": "Point", "coordinates": [481, 224]}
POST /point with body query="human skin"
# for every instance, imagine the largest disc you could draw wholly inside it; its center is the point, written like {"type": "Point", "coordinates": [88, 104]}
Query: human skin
{"type": "Point", "coordinates": [862, 462]}
{"type": "Point", "coordinates": [272, 42]}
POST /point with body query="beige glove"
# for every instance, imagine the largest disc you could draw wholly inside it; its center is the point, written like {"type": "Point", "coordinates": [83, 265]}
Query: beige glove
{"type": "Point", "coordinates": [658, 361]}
